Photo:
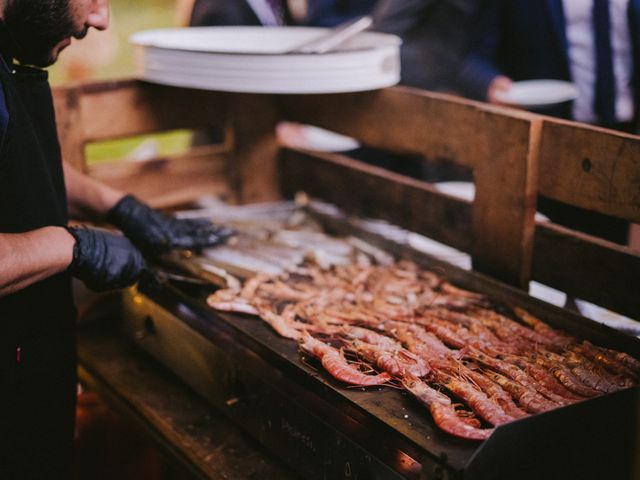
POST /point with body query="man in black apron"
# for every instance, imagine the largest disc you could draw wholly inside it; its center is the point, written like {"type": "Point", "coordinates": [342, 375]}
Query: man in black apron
{"type": "Point", "coordinates": [39, 254]}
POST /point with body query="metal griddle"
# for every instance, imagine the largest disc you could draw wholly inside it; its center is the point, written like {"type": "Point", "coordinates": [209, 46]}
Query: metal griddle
{"type": "Point", "coordinates": [325, 430]}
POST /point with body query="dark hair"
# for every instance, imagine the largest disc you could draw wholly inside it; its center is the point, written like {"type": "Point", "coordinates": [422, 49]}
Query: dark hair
{"type": "Point", "coordinates": [36, 27]}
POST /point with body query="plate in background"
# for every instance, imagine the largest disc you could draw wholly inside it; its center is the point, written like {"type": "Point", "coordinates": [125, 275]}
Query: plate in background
{"type": "Point", "coordinates": [538, 93]}
{"type": "Point", "coordinates": [251, 60]}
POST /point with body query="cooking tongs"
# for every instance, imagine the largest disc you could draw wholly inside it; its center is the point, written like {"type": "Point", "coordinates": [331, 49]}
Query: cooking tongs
{"type": "Point", "coordinates": [335, 37]}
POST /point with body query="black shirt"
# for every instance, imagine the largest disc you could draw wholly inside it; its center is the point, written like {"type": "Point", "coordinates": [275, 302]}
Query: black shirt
{"type": "Point", "coordinates": [37, 344]}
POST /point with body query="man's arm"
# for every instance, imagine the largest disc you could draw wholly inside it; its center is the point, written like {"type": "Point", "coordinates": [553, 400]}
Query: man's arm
{"type": "Point", "coordinates": [151, 231]}
{"type": "Point", "coordinates": [88, 199]}
{"type": "Point", "coordinates": [27, 258]}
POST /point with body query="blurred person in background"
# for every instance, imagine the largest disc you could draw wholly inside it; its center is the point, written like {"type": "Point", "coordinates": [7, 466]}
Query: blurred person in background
{"type": "Point", "coordinates": [39, 253]}
{"type": "Point", "coordinates": [434, 38]}
{"type": "Point", "coordinates": [329, 13]}
{"type": "Point", "coordinates": [592, 43]}
{"type": "Point", "coordinates": [240, 12]}
{"type": "Point", "coordinates": [316, 13]}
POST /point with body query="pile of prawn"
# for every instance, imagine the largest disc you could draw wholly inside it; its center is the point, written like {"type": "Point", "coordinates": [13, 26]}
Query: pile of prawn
{"type": "Point", "coordinates": [472, 364]}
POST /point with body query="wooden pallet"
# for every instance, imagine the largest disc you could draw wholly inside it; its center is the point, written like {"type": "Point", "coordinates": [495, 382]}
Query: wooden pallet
{"type": "Point", "coordinates": [514, 156]}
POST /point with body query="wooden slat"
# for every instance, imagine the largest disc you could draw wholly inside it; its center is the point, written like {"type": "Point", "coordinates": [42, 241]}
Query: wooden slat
{"type": "Point", "coordinates": [504, 208]}
{"type": "Point", "coordinates": [128, 108]}
{"type": "Point", "coordinates": [592, 168]}
{"type": "Point", "coordinates": [364, 190]}
{"type": "Point", "coordinates": [403, 120]}
{"type": "Point", "coordinates": [585, 267]}
{"type": "Point", "coordinates": [254, 148]}
{"type": "Point", "coordinates": [172, 180]}
{"type": "Point", "coordinates": [498, 144]}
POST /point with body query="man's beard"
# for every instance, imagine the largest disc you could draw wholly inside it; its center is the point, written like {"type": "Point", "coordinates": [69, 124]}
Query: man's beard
{"type": "Point", "coordinates": [37, 27]}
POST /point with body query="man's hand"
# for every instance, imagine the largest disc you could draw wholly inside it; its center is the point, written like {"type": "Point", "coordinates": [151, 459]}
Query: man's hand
{"type": "Point", "coordinates": [154, 232]}
{"type": "Point", "coordinates": [498, 85]}
{"type": "Point", "coordinates": [104, 260]}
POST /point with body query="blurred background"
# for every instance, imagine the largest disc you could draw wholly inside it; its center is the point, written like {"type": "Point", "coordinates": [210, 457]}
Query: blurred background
{"type": "Point", "coordinates": [104, 55]}
{"type": "Point", "coordinates": [108, 55]}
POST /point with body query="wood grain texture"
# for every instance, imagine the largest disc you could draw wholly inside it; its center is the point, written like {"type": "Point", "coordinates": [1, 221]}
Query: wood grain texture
{"type": "Point", "coordinates": [585, 267]}
{"type": "Point", "coordinates": [254, 148]}
{"type": "Point", "coordinates": [498, 144]}
{"type": "Point", "coordinates": [592, 168]}
{"type": "Point", "coordinates": [513, 155]}
{"type": "Point", "coordinates": [365, 190]}
{"type": "Point", "coordinates": [504, 208]}
{"type": "Point", "coordinates": [124, 109]}
{"type": "Point", "coordinates": [116, 109]}
{"type": "Point", "coordinates": [402, 120]}
{"type": "Point", "coordinates": [163, 182]}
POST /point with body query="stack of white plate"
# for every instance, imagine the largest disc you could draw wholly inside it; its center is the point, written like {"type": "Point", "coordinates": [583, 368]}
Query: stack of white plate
{"type": "Point", "coordinates": [254, 60]}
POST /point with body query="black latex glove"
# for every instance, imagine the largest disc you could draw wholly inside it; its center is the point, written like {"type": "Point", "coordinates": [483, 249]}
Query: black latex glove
{"type": "Point", "coordinates": [103, 260]}
{"type": "Point", "coordinates": [154, 232]}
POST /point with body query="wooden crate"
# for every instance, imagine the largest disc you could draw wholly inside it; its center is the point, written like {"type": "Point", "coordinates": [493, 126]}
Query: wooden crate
{"type": "Point", "coordinates": [513, 156]}
{"type": "Point", "coordinates": [598, 170]}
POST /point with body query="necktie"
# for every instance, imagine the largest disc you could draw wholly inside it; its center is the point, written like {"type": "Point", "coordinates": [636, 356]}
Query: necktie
{"type": "Point", "coordinates": [605, 93]}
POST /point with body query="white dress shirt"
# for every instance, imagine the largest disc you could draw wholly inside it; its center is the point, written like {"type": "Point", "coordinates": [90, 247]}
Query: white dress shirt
{"type": "Point", "coordinates": [582, 57]}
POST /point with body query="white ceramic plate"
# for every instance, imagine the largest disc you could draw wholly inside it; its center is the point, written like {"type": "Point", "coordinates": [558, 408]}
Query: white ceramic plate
{"type": "Point", "coordinates": [310, 137]}
{"type": "Point", "coordinates": [251, 59]}
{"type": "Point", "coordinates": [538, 93]}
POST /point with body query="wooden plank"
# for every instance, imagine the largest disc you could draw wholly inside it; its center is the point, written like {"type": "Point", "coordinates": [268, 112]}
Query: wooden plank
{"type": "Point", "coordinates": [172, 180]}
{"type": "Point", "coordinates": [591, 167]}
{"type": "Point", "coordinates": [504, 208]}
{"type": "Point", "coordinates": [124, 109]}
{"type": "Point", "coordinates": [68, 119]}
{"type": "Point", "coordinates": [254, 147]}
{"type": "Point", "coordinates": [365, 190]}
{"type": "Point", "coordinates": [499, 144]}
{"type": "Point", "coordinates": [402, 120]}
{"type": "Point", "coordinates": [589, 268]}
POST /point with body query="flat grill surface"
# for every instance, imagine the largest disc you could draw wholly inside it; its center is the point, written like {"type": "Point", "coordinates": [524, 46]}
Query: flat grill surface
{"type": "Point", "coordinates": [391, 426]}
{"type": "Point", "coordinates": [411, 446]}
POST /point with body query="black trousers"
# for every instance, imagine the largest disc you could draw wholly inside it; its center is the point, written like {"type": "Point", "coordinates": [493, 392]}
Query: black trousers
{"type": "Point", "coordinates": [37, 407]}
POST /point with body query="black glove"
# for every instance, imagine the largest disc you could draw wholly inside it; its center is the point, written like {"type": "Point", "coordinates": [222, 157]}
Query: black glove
{"type": "Point", "coordinates": [103, 260]}
{"type": "Point", "coordinates": [154, 232]}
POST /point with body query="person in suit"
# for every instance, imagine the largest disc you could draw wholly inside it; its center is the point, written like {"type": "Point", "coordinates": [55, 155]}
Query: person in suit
{"type": "Point", "coordinates": [592, 43]}
{"type": "Point", "coordinates": [329, 13]}
{"type": "Point", "coordinates": [434, 35]}
{"type": "Point", "coordinates": [316, 13]}
{"type": "Point", "coordinates": [240, 12]}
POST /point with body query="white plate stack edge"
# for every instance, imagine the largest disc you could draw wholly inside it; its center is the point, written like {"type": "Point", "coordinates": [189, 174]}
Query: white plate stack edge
{"type": "Point", "coordinates": [250, 60]}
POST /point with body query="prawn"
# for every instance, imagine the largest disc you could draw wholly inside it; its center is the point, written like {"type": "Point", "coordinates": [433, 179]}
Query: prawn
{"type": "Point", "coordinates": [334, 362]}
{"type": "Point", "coordinates": [443, 412]}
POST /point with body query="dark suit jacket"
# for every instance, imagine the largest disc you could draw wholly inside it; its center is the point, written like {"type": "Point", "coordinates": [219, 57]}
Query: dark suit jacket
{"type": "Point", "coordinates": [526, 39]}
{"type": "Point", "coordinates": [434, 35]}
{"type": "Point", "coordinates": [224, 13]}
{"type": "Point", "coordinates": [328, 13]}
